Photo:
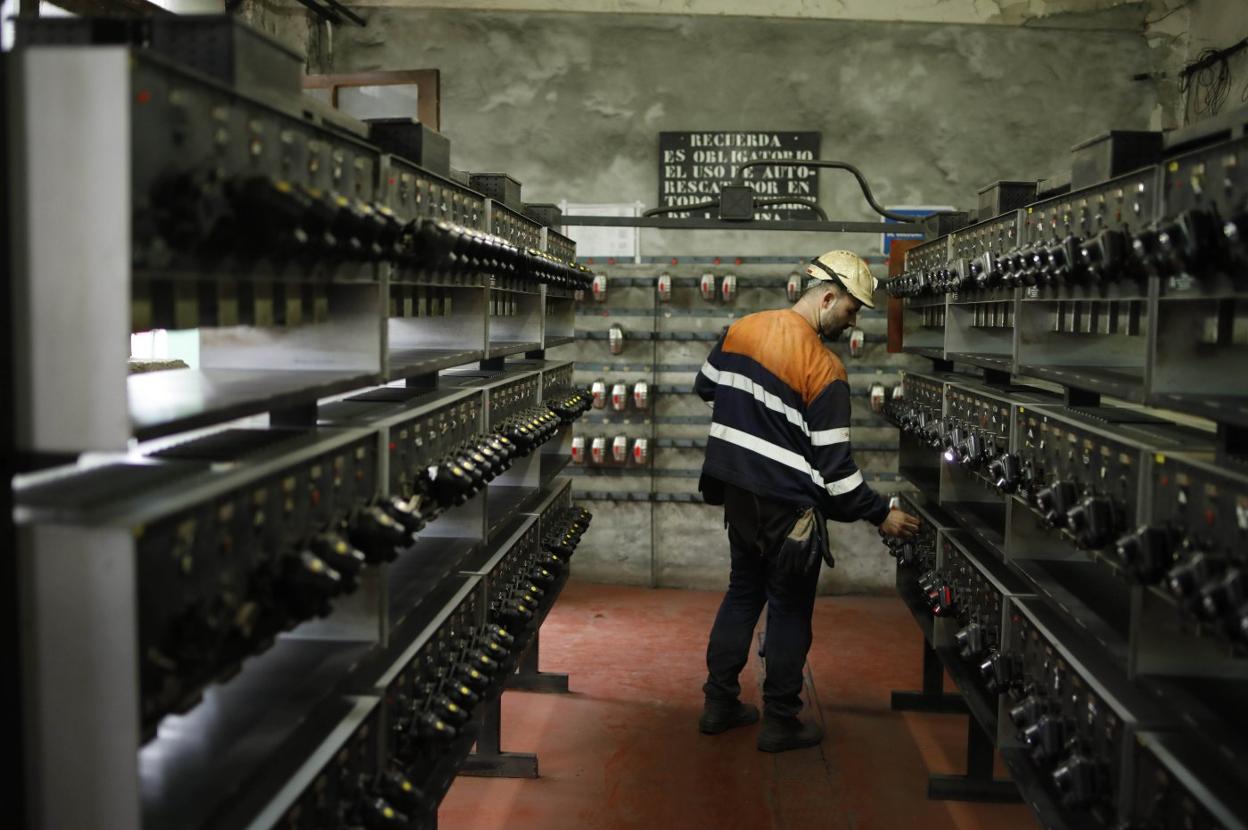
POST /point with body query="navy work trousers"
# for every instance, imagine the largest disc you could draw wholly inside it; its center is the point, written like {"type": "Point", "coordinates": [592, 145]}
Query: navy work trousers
{"type": "Point", "coordinates": [756, 529]}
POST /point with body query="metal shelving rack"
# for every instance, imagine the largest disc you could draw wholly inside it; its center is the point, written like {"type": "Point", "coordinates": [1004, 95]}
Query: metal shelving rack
{"type": "Point", "coordinates": [1122, 288]}
{"type": "Point", "coordinates": [324, 406]}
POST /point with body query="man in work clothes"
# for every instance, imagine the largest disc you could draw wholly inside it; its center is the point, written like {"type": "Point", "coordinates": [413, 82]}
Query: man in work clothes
{"type": "Point", "coordinates": [779, 444]}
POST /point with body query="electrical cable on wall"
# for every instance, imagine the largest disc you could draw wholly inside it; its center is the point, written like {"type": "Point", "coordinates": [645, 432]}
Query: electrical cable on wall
{"type": "Point", "coordinates": [1206, 82]}
{"type": "Point", "coordinates": [739, 181]}
{"type": "Point", "coordinates": [833, 165]}
{"type": "Point", "coordinates": [714, 203]}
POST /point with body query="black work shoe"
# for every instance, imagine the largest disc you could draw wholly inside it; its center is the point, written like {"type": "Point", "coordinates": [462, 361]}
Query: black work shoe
{"type": "Point", "coordinates": [783, 734]}
{"type": "Point", "coordinates": [720, 718]}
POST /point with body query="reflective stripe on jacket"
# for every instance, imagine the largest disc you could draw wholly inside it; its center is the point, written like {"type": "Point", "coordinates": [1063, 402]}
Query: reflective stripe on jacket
{"type": "Point", "coordinates": [780, 427]}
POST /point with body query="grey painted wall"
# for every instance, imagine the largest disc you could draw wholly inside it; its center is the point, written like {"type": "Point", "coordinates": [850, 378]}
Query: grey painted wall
{"type": "Point", "coordinates": [571, 105]}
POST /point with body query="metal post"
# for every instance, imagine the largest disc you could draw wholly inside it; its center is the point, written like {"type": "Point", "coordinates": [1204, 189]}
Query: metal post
{"type": "Point", "coordinates": [932, 697]}
{"type": "Point", "coordinates": [13, 790]}
{"type": "Point", "coordinates": [978, 783]}
{"type": "Point", "coordinates": [489, 761]}
{"type": "Point", "coordinates": [529, 679]}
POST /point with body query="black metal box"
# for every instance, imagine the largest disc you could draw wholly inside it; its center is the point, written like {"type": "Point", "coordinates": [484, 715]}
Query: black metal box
{"type": "Point", "coordinates": [999, 197]}
{"type": "Point", "coordinates": [409, 139]}
{"type": "Point", "coordinates": [1113, 154]}
{"type": "Point", "coordinates": [548, 214]}
{"type": "Point", "coordinates": [1052, 185]}
{"type": "Point", "coordinates": [940, 224]}
{"type": "Point", "coordinates": [498, 186]}
{"type": "Point", "coordinates": [736, 203]}
{"type": "Point", "coordinates": [217, 45]}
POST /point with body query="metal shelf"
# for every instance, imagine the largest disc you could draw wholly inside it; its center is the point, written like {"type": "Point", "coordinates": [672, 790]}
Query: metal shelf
{"type": "Point", "coordinates": [503, 348]}
{"type": "Point", "coordinates": [226, 756]}
{"type": "Point", "coordinates": [798, 265]}
{"type": "Point", "coordinates": [406, 363]}
{"type": "Point", "coordinates": [177, 400]}
{"type": "Point", "coordinates": [682, 336]}
{"type": "Point", "coordinates": [597, 495]}
{"type": "Point", "coordinates": [1125, 383]}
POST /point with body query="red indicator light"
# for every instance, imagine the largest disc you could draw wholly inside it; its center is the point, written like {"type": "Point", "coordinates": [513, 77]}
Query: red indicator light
{"type": "Point", "coordinates": [393, 446]}
{"type": "Point", "coordinates": [144, 96]}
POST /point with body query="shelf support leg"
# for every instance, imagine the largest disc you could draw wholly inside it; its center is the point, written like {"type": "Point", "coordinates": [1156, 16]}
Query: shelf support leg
{"type": "Point", "coordinates": [978, 784]}
{"type": "Point", "coordinates": [932, 698]}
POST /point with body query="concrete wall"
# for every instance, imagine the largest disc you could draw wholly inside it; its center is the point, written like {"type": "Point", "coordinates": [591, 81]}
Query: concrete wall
{"type": "Point", "coordinates": [680, 544]}
{"type": "Point", "coordinates": [571, 105]}
{"type": "Point", "coordinates": [1101, 14]}
{"type": "Point", "coordinates": [285, 20]}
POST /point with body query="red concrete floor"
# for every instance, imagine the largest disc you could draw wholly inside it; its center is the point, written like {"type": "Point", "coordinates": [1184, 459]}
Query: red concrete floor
{"type": "Point", "coordinates": [622, 751]}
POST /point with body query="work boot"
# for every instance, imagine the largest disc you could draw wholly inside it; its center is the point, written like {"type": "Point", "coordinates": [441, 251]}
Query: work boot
{"type": "Point", "coordinates": [720, 716]}
{"type": "Point", "coordinates": [783, 734]}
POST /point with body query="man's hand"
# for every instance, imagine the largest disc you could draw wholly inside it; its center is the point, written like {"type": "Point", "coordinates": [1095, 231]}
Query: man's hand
{"type": "Point", "coordinates": [899, 524]}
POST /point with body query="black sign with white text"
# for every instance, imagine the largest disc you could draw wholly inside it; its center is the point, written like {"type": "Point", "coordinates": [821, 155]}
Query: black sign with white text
{"type": "Point", "coordinates": [694, 166]}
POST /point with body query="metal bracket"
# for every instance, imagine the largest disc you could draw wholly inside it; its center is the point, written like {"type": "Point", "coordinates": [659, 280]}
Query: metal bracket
{"type": "Point", "coordinates": [1232, 443]}
{"type": "Point", "coordinates": [997, 377]}
{"type": "Point", "coordinates": [932, 697]}
{"type": "Point", "coordinates": [1081, 397]}
{"type": "Point", "coordinates": [978, 784]}
{"type": "Point", "coordinates": [299, 415]}
{"type": "Point", "coordinates": [428, 380]}
{"type": "Point", "coordinates": [489, 761]}
{"type": "Point", "coordinates": [528, 679]}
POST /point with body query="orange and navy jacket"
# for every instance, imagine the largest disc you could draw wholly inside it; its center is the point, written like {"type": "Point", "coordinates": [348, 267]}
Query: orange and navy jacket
{"type": "Point", "coordinates": [780, 427]}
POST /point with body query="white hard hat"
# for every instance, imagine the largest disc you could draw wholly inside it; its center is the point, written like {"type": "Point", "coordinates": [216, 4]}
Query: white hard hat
{"type": "Point", "coordinates": [848, 269]}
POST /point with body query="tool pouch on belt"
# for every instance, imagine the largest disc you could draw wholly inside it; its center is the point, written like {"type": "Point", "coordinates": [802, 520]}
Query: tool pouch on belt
{"type": "Point", "coordinates": [807, 541]}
